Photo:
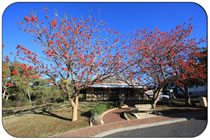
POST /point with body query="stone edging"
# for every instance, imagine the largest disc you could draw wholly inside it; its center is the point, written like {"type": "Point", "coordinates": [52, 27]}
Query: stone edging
{"type": "Point", "coordinates": [124, 113]}
{"type": "Point", "coordinates": [111, 110]}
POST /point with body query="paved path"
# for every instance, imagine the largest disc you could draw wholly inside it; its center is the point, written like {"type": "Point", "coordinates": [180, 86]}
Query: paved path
{"type": "Point", "coordinates": [91, 131]}
{"type": "Point", "coordinates": [117, 123]}
{"type": "Point", "coordinates": [115, 116]}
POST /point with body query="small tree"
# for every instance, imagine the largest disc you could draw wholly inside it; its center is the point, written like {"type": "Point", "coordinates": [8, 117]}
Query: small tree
{"type": "Point", "coordinates": [75, 52]}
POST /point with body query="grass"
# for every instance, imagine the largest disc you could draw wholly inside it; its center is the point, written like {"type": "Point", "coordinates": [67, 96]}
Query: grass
{"type": "Point", "coordinates": [167, 107]}
{"type": "Point", "coordinates": [12, 110]}
{"type": "Point", "coordinates": [48, 121]}
{"type": "Point", "coordinates": [130, 116]}
{"type": "Point", "coordinates": [167, 110]}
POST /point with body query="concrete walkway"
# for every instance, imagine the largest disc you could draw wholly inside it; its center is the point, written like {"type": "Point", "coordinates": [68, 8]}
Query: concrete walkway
{"type": "Point", "coordinates": [118, 124]}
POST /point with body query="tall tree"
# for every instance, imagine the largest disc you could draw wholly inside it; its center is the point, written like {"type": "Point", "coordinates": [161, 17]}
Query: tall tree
{"type": "Point", "coordinates": [17, 75]}
{"type": "Point", "coordinates": [191, 70]}
{"type": "Point", "coordinates": [6, 79]}
{"type": "Point", "coordinates": [76, 51]}
{"type": "Point", "coordinates": [161, 57]}
{"type": "Point", "coordinates": [22, 76]}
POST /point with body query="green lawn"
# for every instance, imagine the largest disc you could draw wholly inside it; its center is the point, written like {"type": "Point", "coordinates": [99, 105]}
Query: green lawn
{"type": "Point", "coordinates": [47, 121]}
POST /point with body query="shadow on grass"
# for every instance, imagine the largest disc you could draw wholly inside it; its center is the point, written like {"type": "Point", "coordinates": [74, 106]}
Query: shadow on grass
{"type": "Point", "coordinates": [19, 112]}
{"type": "Point", "coordinates": [86, 114]}
{"type": "Point", "coordinates": [189, 113]}
{"type": "Point", "coordinates": [47, 113]}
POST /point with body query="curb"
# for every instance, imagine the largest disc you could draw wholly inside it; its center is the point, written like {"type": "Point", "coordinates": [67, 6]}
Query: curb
{"type": "Point", "coordinates": [138, 127]}
{"type": "Point", "coordinates": [124, 113]}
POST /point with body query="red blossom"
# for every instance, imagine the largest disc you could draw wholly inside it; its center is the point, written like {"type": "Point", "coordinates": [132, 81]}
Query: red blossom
{"type": "Point", "coordinates": [54, 23]}
{"type": "Point", "coordinates": [9, 84]}
{"type": "Point", "coordinates": [65, 69]}
{"type": "Point", "coordinates": [45, 9]}
{"type": "Point", "coordinates": [34, 19]}
{"type": "Point", "coordinates": [50, 42]}
{"type": "Point", "coordinates": [26, 19]}
{"type": "Point", "coordinates": [14, 72]}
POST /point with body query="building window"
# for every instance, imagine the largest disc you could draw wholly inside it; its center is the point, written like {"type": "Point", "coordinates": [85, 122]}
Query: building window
{"type": "Point", "coordinates": [99, 92]}
{"type": "Point", "coordinates": [114, 94]}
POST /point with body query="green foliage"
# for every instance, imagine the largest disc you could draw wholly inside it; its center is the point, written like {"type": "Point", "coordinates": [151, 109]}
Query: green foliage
{"type": "Point", "coordinates": [5, 71]}
{"type": "Point", "coordinates": [8, 103]}
{"type": "Point", "coordinates": [39, 101]}
{"type": "Point", "coordinates": [27, 90]}
{"type": "Point", "coordinates": [24, 101]}
{"type": "Point", "coordinates": [101, 108]}
{"type": "Point", "coordinates": [119, 104]}
{"type": "Point", "coordinates": [82, 97]}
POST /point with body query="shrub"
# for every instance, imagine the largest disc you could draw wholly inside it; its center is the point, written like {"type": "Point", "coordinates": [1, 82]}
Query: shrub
{"type": "Point", "coordinates": [100, 109]}
{"type": "Point", "coordinates": [8, 103]}
{"type": "Point", "coordinates": [59, 100]}
{"type": "Point", "coordinates": [96, 119]}
{"type": "Point", "coordinates": [119, 104]}
{"type": "Point", "coordinates": [39, 101]}
{"type": "Point", "coordinates": [82, 97]}
{"type": "Point", "coordinates": [24, 101]}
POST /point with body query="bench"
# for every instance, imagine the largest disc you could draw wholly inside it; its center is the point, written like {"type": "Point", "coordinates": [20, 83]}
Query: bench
{"type": "Point", "coordinates": [145, 108]}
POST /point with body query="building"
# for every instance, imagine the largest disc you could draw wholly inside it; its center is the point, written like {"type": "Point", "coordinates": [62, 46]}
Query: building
{"type": "Point", "coordinates": [113, 90]}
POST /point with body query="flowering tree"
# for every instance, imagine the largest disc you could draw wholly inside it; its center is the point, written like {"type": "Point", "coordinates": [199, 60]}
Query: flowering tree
{"type": "Point", "coordinates": [6, 82]}
{"type": "Point", "coordinates": [17, 75]}
{"type": "Point", "coordinates": [163, 57]}
{"type": "Point", "coordinates": [75, 52]}
{"type": "Point", "coordinates": [190, 70]}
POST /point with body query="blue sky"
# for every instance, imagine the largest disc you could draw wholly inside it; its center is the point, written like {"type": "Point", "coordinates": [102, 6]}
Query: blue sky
{"type": "Point", "coordinates": [124, 17]}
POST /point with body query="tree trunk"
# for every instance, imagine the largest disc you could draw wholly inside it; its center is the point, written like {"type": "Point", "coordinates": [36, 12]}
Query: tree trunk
{"type": "Point", "coordinates": [156, 97]}
{"type": "Point", "coordinates": [187, 96]}
{"type": "Point", "coordinates": [7, 97]}
{"type": "Point", "coordinates": [74, 102]}
{"type": "Point", "coordinates": [4, 94]}
{"type": "Point", "coordinates": [29, 96]}
{"type": "Point", "coordinates": [74, 113]}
